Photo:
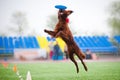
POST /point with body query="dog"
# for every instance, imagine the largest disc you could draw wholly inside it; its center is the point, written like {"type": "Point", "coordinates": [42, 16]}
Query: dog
{"type": "Point", "coordinates": [62, 30]}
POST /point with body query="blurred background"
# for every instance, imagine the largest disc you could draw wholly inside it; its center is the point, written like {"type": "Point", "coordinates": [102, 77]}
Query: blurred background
{"type": "Point", "coordinates": [95, 25]}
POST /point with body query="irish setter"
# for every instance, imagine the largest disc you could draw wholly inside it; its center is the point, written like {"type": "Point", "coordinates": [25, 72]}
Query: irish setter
{"type": "Point", "coordinates": [62, 30]}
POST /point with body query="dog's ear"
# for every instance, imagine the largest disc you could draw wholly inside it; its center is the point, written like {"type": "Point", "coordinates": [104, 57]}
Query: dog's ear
{"type": "Point", "coordinates": [69, 12]}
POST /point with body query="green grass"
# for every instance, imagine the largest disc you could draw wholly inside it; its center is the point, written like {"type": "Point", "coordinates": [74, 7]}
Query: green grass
{"type": "Point", "coordinates": [63, 71]}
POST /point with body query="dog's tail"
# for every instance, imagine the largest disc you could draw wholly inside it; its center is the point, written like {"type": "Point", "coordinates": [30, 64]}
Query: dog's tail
{"type": "Point", "coordinates": [81, 54]}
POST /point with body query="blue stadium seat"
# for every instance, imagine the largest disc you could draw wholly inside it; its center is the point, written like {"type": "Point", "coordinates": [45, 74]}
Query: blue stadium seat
{"type": "Point", "coordinates": [117, 38]}
{"type": "Point", "coordinates": [83, 42]}
{"type": "Point", "coordinates": [92, 42]}
{"type": "Point", "coordinates": [36, 45]}
{"type": "Point", "coordinates": [5, 42]}
{"type": "Point", "coordinates": [105, 41]}
{"type": "Point", "coordinates": [1, 42]}
{"type": "Point", "coordinates": [11, 42]}
{"type": "Point", "coordinates": [28, 42]}
{"type": "Point", "coordinates": [76, 40]}
{"type": "Point", "coordinates": [31, 42]}
{"type": "Point", "coordinates": [18, 42]}
{"type": "Point", "coordinates": [95, 44]}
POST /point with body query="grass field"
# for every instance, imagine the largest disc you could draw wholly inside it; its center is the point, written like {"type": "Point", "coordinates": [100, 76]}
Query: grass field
{"type": "Point", "coordinates": [60, 70]}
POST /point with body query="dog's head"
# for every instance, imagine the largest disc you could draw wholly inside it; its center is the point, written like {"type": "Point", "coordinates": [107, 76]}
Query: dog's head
{"type": "Point", "coordinates": [63, 14]}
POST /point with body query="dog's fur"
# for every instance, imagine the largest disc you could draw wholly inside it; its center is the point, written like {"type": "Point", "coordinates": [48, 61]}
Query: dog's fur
{"type": "Point", "coordinates": [62, 30]}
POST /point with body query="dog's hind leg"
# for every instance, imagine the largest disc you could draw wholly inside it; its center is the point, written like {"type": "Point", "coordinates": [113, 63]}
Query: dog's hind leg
{"type": "Point", "coordinates": [73, 60]}
{"type": "Point", "coordinates": [85, 67]}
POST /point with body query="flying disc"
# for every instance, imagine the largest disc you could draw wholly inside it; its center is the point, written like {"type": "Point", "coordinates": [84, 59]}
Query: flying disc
{"type": "Point", "coordinates": [62, 7]}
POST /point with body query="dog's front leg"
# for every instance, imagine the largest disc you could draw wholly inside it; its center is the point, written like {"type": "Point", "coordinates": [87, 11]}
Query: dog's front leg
{"type": "Point", "coordinates": [61, 34]}
{"type": "Point", "coordinates": [58, 34]}
{"type": "Point", "coordinates": [52, 33]}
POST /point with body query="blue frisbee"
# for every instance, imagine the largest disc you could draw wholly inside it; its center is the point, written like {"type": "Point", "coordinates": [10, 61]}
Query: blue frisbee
{"type": "Point", "coordinates": [62, 7]}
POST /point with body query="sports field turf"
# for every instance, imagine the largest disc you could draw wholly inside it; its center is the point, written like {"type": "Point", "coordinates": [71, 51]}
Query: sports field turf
{"type": "Point", "coordinates": [60, 70]}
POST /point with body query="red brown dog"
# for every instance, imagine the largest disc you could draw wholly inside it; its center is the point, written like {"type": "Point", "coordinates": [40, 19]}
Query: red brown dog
{"type": "Point", "coordinates": [62, 30]}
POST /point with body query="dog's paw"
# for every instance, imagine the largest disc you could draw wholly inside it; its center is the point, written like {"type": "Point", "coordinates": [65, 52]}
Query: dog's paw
{"type": "Point", "coordinates": [45, 30]}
